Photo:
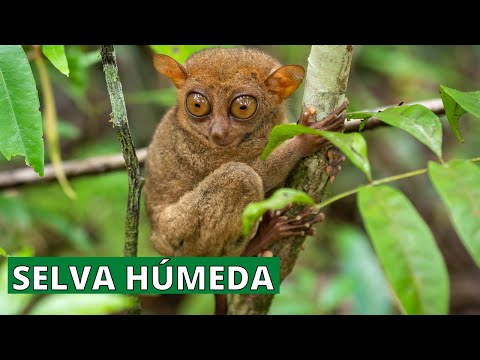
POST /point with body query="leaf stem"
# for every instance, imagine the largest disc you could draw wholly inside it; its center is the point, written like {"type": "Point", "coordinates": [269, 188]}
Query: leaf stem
{"type": "Point", "coordinates": [50, 118]}
{"type": "Point", "coordinates": [378, 182]}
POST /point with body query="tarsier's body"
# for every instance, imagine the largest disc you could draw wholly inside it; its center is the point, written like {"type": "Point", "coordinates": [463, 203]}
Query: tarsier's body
{"type": "Point", "coordinates": [203, 165]}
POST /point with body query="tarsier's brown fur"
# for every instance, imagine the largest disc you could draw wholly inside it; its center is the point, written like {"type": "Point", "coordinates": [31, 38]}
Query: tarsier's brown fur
{"type": "Point", "coordinates": [200, 174]}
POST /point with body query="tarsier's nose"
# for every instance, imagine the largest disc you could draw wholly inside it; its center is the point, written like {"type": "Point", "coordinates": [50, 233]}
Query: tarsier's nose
{"type": "Point", "coordinates": [219, 130]}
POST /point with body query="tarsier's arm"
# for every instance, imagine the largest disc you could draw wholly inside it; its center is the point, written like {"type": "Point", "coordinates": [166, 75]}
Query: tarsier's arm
{"type": "Point", "coordinates": [275, 169]}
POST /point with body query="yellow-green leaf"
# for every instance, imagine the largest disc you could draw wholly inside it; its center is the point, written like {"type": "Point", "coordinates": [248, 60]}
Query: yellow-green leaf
{"type": "Point", "coordinates": [56, 55]}
{"type": "Point", "coordinates": [280, 198]}
{"type": "Point", "coordinates": [457, 103]}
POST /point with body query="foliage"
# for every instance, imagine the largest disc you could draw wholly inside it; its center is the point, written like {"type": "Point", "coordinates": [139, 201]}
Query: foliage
{"type": "Point", "coordinates": [457, 184]}
{"type": "Point", "coordinates": [404, 243]}
{"type": "Point", "coordinates": [56, 55]}
{"type": "Point", "coordinates": [20, 119]}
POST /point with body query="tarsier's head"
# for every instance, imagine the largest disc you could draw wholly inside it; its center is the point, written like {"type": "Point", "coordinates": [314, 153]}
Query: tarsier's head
{"type": "Point", "coordinates": [227, 95]}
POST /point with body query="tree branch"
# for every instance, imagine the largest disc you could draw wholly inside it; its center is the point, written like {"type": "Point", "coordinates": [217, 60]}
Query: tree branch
{"type": "Point", "coordinates": [135, 179]}
{"type": "Point", "coordinates": [105, 164]}
{"type": "Point", "coordinates": [326, 84]}
{"type": "Point", "coordinates": [436, 105]}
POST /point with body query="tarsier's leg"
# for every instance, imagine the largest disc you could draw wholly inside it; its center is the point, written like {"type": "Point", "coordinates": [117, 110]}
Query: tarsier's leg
{"type": "Point", "coordinates": [207, 221]}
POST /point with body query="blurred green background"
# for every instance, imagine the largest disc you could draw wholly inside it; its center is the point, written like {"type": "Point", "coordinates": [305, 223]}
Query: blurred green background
{"type": "Point", "coordinates": [337, 272]}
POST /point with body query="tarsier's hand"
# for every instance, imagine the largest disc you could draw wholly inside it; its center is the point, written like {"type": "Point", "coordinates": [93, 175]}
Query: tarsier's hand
{"type": "Point", "coordinates": [310, 144]}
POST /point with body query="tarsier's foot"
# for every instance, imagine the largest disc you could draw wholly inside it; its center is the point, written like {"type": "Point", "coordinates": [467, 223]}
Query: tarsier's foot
{"type": "Point", "coordinates": [275, 226]}
{"type": "Point", "coordinates": [335, 157]}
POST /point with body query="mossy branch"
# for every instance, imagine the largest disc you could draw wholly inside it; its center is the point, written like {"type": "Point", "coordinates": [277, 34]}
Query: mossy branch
{"type": "Point", "coordinates": [135, 178]}
{"type": "Point", "coordinates": [326, 84]}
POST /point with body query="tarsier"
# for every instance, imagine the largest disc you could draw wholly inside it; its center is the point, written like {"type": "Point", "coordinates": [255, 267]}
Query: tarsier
{"type": "Point", "coordinates": [203, 164]}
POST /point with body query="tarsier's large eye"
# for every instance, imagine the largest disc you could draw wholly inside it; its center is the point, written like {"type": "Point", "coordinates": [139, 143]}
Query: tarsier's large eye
{"type": "Point", "coordinates": [197, 104]}
{"type": "Point", "coordinates": [243, 107]}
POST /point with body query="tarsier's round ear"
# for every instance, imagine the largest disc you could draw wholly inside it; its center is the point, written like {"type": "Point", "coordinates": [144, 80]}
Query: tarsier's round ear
{"type": "Point", "coordinates": [170, 68]}
{"type": "Point", "coordinates": [285, 80]}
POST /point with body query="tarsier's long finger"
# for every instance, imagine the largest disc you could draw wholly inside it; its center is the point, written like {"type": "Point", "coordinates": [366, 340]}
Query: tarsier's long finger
{"type": "Point", "coordinates": [284, 210]}
{"type": "Point", "coordinates": [335, 157]}
{"type": "Point", "coordinates": [337, 123]}
{"type": "Point", "coordinates": [335, 113]}
{"type": "Point", "coordinates": [308, 116]}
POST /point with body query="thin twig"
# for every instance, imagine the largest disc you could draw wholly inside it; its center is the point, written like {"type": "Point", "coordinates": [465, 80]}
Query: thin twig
{"type": "Point", "coordinates": [106, 164]}
{"type": "Point", "coordinates": [135, 179]}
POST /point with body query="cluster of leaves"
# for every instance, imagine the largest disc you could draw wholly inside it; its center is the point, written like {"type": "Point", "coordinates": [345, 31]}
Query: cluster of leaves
{"type": "Point", "coordinates": [402, 240]}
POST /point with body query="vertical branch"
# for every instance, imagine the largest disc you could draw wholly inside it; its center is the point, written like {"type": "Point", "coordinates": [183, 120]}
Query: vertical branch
{"type": "Point", "coordinates": [325, 87]}
{"type": "Point", "coordinates": [120, 123]}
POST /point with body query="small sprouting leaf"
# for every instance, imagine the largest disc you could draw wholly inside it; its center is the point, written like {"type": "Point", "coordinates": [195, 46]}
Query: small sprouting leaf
{"type": "Point", "coordinates": [279, 199]}
{"type": "Point", "coordinates": [407, 250]}
{"type": "Point", "coordinates": [83, 304]}
{"type": "Point", "coordinates": [457, 182]}
{"type": "Point", "coordinates": [457, 103]}
{"type": "Point", "coordinates": [353, 145]}
{"type": "Point", "coordinates": [417, 120]}
{"type": "Point", "coordinates": [3, 252]}
{"type": "Point", "coordinates": [56, 55]}
{"type": "Point", "coordinates": [20, 118]}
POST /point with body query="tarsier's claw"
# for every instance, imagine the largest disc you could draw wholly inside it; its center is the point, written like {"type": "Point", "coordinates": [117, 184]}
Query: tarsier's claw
{"type": "Point", "coordinates": [335, 157]}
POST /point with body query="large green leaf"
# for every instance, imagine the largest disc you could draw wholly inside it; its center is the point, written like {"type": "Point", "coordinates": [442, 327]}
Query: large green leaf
{"type": "Point", "coordinates": [353, 145]}
{"type": "Point", "coordinates": [407, 250]}
{"type": "Point", "coordinates": [82, 304]}
{"type": "Point", "coordinates": [278, 200]}
{"type": "Point", "coordinates": [457, 103]}
{"type": "Point", "coordinates": [56, 55]}
{"type": "Point", "coordinates": [20, 118]}
{"type": "Point", "coordinates": [458, 184]}
{"type": "Point", "coordinates": [417, 120]}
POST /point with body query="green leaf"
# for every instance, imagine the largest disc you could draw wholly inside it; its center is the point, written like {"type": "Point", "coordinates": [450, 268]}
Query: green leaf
{"type": "Point", "coordinates": [67, 130]}
{"type": "Point", "coordinates": [12, 304]}
{"type": "Point", "coordinates": [56, 55]}
{"type": "Point", "coordinates": [82, 304]}
{"type": "Point", "coordinates": [181, 52]}
{"type": "Point", "coordinates": [407, 250]}
{"type": "Point", "coordinates": [20, 118]}
{"type": "Point", "coordinates": [458, 186]}
{"type": "Point", "coordinates": [353, 145]}
{"type": "Point", "coordinates": [457, 103]}
{"type": "Point", "coordinates": [164, 97]}
{"type": "Point", "coordinates": [73, 233]}
{"type": "Point", "coordinates": [13, 211]}
{"type": "Point", "coordinates": [370, 294]}
{"type": "Point", "coordinates": [3, 252]}
{"type": "Point", "coordinates": [279, 199]}
{"type": "Point", "coordinates": [417, 120]}
{"type": "Point", "coordinates": [337, 290]}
